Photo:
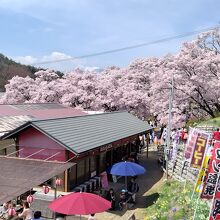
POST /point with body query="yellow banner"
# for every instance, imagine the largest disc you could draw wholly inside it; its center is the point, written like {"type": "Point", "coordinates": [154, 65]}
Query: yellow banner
{"type": "Point", "coordinates": [202, 173]}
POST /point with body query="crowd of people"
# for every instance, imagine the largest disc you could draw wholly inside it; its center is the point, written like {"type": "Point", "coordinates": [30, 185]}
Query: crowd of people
{"type": "Point", "coordinates": [126, 195]}
{"type": "Point", "coordinates": [19, 211]}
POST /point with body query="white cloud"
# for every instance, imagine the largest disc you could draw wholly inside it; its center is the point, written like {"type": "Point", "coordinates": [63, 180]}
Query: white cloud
{"type": "Point", "coordinates": [91, 68]}
{"type": "Point", "coordinates": [54, 56]}
{"type": "Point", "coordinates": [64, 66]}
{"type": "Point", "coordinates": [28, 60]}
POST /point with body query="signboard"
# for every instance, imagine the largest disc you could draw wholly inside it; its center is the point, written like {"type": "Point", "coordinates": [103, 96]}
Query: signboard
{"type": "Point", "coordinates": [104, 179]}
{"type": "Point", "coordinates": [114, 178]}
{"type": "Point", "coordinates": [212, 173]}
{"type": "Point", "coordinates": [190, 145]}
{"type": "Point", "coordinates": [93, 173]}
{"type": "Point", "coordinates": [199, 149]}
{"type": "Point", "coordinates": [106, 147]}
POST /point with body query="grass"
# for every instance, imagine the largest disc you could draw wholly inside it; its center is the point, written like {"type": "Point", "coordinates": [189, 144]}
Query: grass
{"type": "Point", "coordinates": [173, 201]}
{"type": "Point", "coordinates": [215, 122]}
{"type": "Point", "coordinates": [212, 122]}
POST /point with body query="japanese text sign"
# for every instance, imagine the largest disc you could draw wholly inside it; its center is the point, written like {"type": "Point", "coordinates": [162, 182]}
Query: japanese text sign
{"type": "Point", "coordinates": [199, 150]}
{"type": "Point", "coordinates": [215, 213]}
{"type": "Point", "coordinates": [211, 175]}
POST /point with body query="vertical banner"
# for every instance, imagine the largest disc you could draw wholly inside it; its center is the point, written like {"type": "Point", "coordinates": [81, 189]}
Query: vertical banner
{"type": "Point", "coordinates": [174, 152]}
{"type": "Point", "coordinates": [211, 175]}
{"type": "Point", "coordinates": [215, 213]}
{"type": "Point", "coordinates": [215, 210]}
{"type": "Point", "coordinates": [199, 149]}
{"type": "Point", "coordinates": [199, 183]}
{"type": "Point", "coordinates": [104, 179]}
{"type": "Point", "coordinates": [190, 145]}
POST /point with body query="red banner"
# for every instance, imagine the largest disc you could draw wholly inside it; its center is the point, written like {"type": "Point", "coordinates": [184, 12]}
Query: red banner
{"type": "Point", "coordinates": [199, 149]}
{"type": "Point", "coordinates": [215, 214]}
{"type": "Point", "coordinates": [190, 145]}
{"type": "Point", "coordinates": [212, 174]}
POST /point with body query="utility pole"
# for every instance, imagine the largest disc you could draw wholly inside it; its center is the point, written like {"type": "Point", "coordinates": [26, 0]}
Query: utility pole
{"type": "Point", "coordinates": [169, 124]}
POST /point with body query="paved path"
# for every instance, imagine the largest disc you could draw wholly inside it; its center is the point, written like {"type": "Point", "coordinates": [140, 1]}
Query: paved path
{"type": "Point", "coordinates": [153, 175]}
{"type": "Point", "coordinates": [150, 179]}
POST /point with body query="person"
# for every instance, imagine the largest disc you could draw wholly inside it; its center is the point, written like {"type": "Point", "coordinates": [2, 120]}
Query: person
{"type": "Point", "coordinates": [19, 207]}
{"type": "Point", "coordinates": [3, 209]}
{"type": "Point", "coordinates": [182, 135]}
{"type": "Point", "coordinates": [147, 138]}
{"type": "Point", "coordinates": [141, 137]}
{"type": "Point", "coordinates": [173, 135]}
{"type": "Point", "coordinates": [164, 134]}
{"type": "Point", "coordinates": [178, 135]}
{"type": "Point", "coordinates": [92, 217]}
{"type": "Point", "coordinates": [216, 135]}
{"type": "Point", "coordinates": [185, 137]}
{"type": "Point", "coordinates": [27, 212]}
{"type": "Point", "coordinates": [111, 197]}
{"type": "Point", "coordinates": [133, 188]}
{"type": "Point", "coordinates": [37, 215]}
{"type": "Point", "coordinates": [122, 198]}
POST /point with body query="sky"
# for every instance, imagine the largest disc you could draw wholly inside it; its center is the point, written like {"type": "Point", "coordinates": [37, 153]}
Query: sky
{"type": "Point", "coordinates": [34, 31]}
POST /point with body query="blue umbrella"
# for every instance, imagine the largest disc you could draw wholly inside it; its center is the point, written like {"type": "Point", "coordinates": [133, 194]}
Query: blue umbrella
{"type": "Point", "coordinates": [127, 169]}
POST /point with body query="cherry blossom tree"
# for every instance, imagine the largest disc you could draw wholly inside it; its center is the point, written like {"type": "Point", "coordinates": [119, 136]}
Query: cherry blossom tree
{"type": "Point", "coordinates": [18, 90]}
{"type": "Point", "coordinates": [142, 88]}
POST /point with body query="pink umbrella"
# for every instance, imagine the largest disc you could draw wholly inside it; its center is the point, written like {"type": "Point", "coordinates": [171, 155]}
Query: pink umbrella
{"type": "Point", "coordinates": [80, 203]}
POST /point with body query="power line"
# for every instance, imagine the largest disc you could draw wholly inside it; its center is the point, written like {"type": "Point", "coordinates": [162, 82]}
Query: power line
{"type": "Point", "coordinates": [130, 47]}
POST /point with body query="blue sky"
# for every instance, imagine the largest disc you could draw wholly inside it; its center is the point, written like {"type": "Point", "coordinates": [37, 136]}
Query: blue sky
{"type": "Point", "coordinates": [42, 30]}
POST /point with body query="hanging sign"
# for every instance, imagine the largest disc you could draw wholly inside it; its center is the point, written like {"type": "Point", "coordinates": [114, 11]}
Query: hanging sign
{"type": "Point", "coordinates": [106, 147]}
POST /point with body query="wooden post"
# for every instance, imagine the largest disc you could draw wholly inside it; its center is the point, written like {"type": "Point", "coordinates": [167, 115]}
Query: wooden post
{"type": "Point", "coordinates": [65, 180]}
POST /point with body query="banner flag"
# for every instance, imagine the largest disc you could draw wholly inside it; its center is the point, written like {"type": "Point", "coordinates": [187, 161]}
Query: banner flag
{"type": "Point", "coordinates": [199, 149]}
{"type": "Point", "coordinates": [190, 145]}
{"type": "Point", "coordinates": [215, 212]}
{"type": "Point", "coordinates": [199, 183]}
{"type": "Point", "coordinates": [104, 179]}
{"type": "Point", "coordinates": [211, 175]}
{"type": "Point", "coordinates": [196, 147]}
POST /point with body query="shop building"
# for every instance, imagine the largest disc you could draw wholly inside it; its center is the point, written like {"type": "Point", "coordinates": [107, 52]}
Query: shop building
{"type": "Point", "coordinates": [92, 142]}
{"type": "Point", "coordinates": [15, 115]}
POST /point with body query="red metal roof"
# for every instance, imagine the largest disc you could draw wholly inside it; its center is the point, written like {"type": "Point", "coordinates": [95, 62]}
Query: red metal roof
{"type": "Point", "coordinates": [40, 111]}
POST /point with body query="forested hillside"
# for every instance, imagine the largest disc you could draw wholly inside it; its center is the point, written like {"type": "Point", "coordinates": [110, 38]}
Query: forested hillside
{"type": "Point", "coordinates": [9, 68]}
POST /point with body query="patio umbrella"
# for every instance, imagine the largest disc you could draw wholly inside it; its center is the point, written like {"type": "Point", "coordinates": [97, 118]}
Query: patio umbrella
{"type": "Point", "coordinates": [80, 203]}
{"type": "Point", "coordinates": [127, 169]}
